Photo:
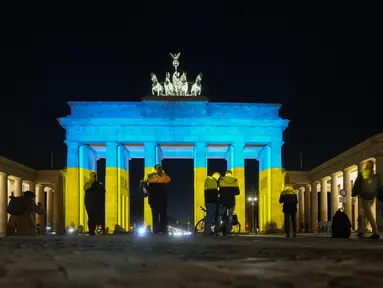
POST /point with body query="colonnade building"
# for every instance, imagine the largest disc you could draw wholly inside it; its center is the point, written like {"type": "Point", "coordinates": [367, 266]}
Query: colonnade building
{"type": "Point", "coordinates": [319, 189]}
{"type": "Point", "coordinates": [16, 178]}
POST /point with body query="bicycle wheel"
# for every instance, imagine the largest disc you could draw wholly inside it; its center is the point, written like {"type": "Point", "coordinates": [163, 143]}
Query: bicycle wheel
{"type": "Point", "coordinates": [200, 226]}
{"type": "Point", "coordinates": [237, 229]}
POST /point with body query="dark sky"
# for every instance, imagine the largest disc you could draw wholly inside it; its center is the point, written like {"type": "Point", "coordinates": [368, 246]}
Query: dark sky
{"type": "Point", "coordinates": [319, 61]}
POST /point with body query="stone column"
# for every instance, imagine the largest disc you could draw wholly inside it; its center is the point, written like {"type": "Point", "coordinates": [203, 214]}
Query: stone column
{"type": "Point", "coordinates": [40, 198]}
{"type": "Point", "coordinates": [49, 206]}
{"type": "Point", "coordinates": [200, 174]}
{"type": "Point", "coordinates": [18, 187]}
{"type": "Point", "coordinates": [123, 185]}
{"type": "Point", "coordinates": [301, 206]}
{"type": "Point", "coordinates": [324, 203]}
{"type": "Point", "coordinates": [152, 158]}
{"type": "Point", "coordinates": [334, 194]}
{"type": "Point", "coordinates": [58, 211]}
{"type": "Point", "coordinates": [72, 199]}
{"type": "Point", "coordinates": [32, 186]}
{"type": "Point", "coordinates": [3, 203]}
{"type": "Point", "coordinates": [236, 163]}
{"type": "Point", "coordinates": [307, 204]}
{"type": "Point", "coordinates": [314, 207]}
{"type": "Point", "coordinates": [111, 181]}
{"type": "Point", "coordinates": [347, 186]}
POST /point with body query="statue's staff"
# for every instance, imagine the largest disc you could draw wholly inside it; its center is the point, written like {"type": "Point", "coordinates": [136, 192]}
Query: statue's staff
{"type": "Point", "coordinates": [175, 57]}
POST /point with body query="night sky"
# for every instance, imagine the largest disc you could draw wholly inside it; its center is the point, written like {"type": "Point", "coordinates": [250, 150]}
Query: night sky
{"type": "Point", "coordinates": [319, 61]}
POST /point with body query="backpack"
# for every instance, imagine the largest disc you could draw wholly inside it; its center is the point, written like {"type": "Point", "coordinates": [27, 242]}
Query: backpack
{"type": "Point", "coordinates": [341, 225]}
{"type": "Point", "coordinates": [17, 205]}
{"type": "Point", "coordinates": [144, 187]}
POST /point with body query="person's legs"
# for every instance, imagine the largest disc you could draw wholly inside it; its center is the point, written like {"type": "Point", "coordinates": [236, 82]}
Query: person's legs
{"type": "Point", "coordinates": [163, 218]}
{"type": "Point", "coordinates": [367, 204]}
{"type": "Point", "coordinates": [361, 218]}
{"type": "Point", "coordinates": [210, 214]}
{"type": "Point", "coordinates": [229, 221]}
{"type": "Point", "coordinates": [294, 222]}
{"type": "Point", "coordinates": [155, 219]}
{"type": "Point", "coordinates": [287, 223]}
{"type": "Point", "coordinates": [91, 222]}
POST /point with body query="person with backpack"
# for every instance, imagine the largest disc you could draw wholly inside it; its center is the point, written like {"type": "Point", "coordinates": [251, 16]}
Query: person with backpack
{"type": "Point", "coordinates": [211, 200]}
{"type": "Point", "coordinates": [94, 202]}
{"type": "Point", "coordinates": [366, 186]}
{"type": "Point", "coordinates": [22, 209]}
{"type": "Point", "coordinates": [156, 184]}
{"type": "Point", "coordinates": [340, 225]}
{"type": "Point", "coordinates": [228, 189]}
{"type": "Point", "coordinates": [289, 199]}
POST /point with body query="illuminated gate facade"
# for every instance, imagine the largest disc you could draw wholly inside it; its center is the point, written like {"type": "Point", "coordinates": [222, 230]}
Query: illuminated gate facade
{"type": "Point", "coordinates": [179, 127]}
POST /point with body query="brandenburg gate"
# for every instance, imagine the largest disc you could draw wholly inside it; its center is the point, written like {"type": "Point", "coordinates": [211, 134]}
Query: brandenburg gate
{"type": "Point", "coordinates": [172, 123]}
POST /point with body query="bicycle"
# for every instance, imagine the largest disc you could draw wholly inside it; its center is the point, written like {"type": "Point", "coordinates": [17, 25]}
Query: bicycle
{"type": "Point", "coordinates": [200, 226]}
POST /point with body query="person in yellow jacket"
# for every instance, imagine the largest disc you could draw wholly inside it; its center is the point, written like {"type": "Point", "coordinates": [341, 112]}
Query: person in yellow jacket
{"type": "Point", "coordinates": [211, 200]}
{"type": "Point", "coordinates": [228, 189]}
{"type": "Point", "coordinates": [289, 199]}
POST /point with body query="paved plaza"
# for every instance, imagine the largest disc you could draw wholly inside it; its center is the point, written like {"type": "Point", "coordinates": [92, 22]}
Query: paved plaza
{"type": "Point", "coordinates": [161, 261]}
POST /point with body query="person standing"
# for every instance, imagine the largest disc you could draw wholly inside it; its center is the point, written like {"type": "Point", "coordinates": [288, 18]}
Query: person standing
{"type": "Point", "coordinates": [211, 200]}
{"type": "Point", "coordinates": [289, 199]}
{"type": "Point", "coordinates": [94, 202]}
{"type": "Point", "coordinates": [366, 186]}
{"type": "Point", "coordinates": [228, 189]}
{"type": "Point", "coordinates": [158, 199]}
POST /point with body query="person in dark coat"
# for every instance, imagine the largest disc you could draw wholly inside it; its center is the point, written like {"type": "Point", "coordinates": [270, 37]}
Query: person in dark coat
{"type": "Point", "coordinates": [366, 187]}
{"type": "Point", "coordinates": [211, 201]}
{"type": "Point", "coordinates": [94, 202]}
{"type": "Point", "coordinates": [289, 199]}
{"type": "Point", "coordinates": [158, 199]}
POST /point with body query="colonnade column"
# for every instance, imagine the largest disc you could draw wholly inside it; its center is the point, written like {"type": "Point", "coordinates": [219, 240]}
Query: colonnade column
{"type": "Point", "coordinates": [301, 206]}
{"type": "Point", "coordinates": [72, 195]}
{"type": "Point", "coordinates": [348, 187]}
{"type": "Point", "coordinates": [307, 204]}
{"type": "Point", "coordinates": [111, 185]}
{"type": "Point", "coordinates": [200, 174]}
{"type": "Point", "coordinates": [323, 198]}
{"type": "Point", "coordinates": [49, 205]}
{"type": "Point", "coordinates": [314, 207]}
{"type": "Point", "coordinates": [334, 194]}
{"type": "Point", "coordinates": [123, 187]}
{"type": "Point", "coordinates": [3, 203]}
{"type": "Point", "coordinates": [236, 163]}
{"type": "Point", "coordinates": [58, 205]}
{"type": "Point", "coordinates": [152, 158]}
{"type": "Point", "coordinates": [40, 198]}
{"type": "Point", "coordinates": [18, 187]}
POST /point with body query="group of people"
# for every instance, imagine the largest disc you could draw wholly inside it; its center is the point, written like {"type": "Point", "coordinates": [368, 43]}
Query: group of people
{"type": "Point", "coordinates": [367, 188]}
{"type": "Point", "coordinates": [220, 195]}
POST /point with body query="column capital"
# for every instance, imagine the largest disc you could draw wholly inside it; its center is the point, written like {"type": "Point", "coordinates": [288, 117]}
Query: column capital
{"type": "Point", "coordinates": [111, 144]}
{"type": "Point", "coordinates": [3, 174]}
{"type": "Point", "coordinates": [200, 145]}
{"type": "Point", "coordinates": [238, 145]}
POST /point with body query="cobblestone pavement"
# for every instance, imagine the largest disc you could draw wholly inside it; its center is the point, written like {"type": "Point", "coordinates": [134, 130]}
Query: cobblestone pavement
{"type": "Point", "coordinates": [126, 261]}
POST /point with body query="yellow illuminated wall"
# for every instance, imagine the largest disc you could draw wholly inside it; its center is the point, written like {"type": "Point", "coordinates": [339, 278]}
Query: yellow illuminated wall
{"type": "Point", "coordinates": [200, 174]}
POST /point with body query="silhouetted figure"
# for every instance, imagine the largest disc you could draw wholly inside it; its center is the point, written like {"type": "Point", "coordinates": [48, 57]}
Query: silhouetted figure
{"type": "Point", "coordinates": [158, 199]}
{"type": "Point", "coordinates": [94, 202]}
{"type": "Point", "coordinates": [211, 200]}
{"type": "Point", "coordinates": [289, 199]}
{"type": "Point", "coordinates": [22, 209]}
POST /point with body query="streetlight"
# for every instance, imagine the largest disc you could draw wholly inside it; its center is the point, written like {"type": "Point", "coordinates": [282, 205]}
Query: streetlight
{"type": "Point", "coordinates": [252, 201]}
